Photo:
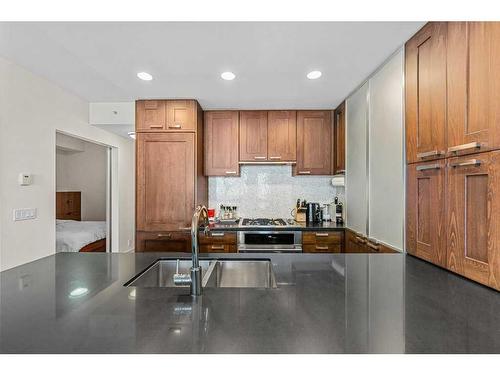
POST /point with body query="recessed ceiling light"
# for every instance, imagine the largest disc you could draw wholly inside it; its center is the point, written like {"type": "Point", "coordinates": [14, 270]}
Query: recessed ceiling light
{"type": "Point", "coordinates": [145, 76]}
{"type": "Point", "coordinates": [131, 135]}
{"type": "Point", "coordinates": [228, 76]}
{"type": "Point", "coordinates": [78, 292]}
{"type": "Point", "coordinates": [315, 74]}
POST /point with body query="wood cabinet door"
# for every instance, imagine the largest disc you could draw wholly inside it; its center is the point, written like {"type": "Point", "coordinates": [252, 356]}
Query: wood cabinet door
{"type": "Point", "coordinates": [314, 143]}
{"type": "Point", "coordinates": [355, 243]}
{"type": "Point", "coordinates": [425, 222]}
{"type": "Point", "coordinates": [425, 104]}
{"type": "Point", "coordinates": [221, 143]}
{"type": "Point", "coordinates": [181, 115]}
{"type": "Point", "coordinates": [473, 87]}
{"type": "Point", "coordinates": [165, 181]}
{"type": "Point", "coordinates": [473, 217]}
{"type": "Point", "coordinates": [282, 135]}
{"type": "Point", "coordinates": [150, 115]}
{"type": "Point", "coordinates": [339, 149]}
{"type": "Point", "coordinates": [253, 136]}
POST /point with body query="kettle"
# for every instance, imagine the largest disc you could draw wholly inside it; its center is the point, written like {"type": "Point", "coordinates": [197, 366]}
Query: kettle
{"type": "Point", "coordinates": [313, 213]}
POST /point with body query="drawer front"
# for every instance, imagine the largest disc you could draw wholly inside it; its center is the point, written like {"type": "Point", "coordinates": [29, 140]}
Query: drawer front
{"type": "Point", "coordinates": [322, 248]}
{"type": "Point", "coordinates": [217, 238]}
{"type": "Point", "coordinates": [322, 237]}
{"type": "Point", "coordinates": [163, 241]}
{"type": "Point", "coordinates": [217, 248]}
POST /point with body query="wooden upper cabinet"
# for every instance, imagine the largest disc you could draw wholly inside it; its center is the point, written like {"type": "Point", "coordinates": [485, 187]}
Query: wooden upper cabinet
{"type": "Point", "coordinates": [221, 143]}
{"type": "Point", "coordinates": [150, 115]}
{"type": "Point", "coordinates": [166, 115]}
{"type": "Point", "coordinates": [425, 223]}
{"type": "Point", "coordinates": [339, 148]}
{"type": "Point", "coordinates": [473, 87]}
{"type": "Point", "coordinates": [314, 143]}
{"type": "Point", "coordinates": [253, 136]}
{"type": "Point", "coordinates": [282, 135]}
{"type": "Point", "coordinates": [165, 181]}
{"type": "Point", "coordinates": [473, 190]}
{"type": "Point", "coordinates": [181, 115]}
{"type": "Point", "coordinates": [425, 78]}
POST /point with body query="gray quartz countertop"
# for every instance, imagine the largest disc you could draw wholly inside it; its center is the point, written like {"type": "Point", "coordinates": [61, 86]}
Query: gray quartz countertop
{"type": "Point", "coordinates": [324, 303]}
{"type": "Point", "coordinates": [324, 226]}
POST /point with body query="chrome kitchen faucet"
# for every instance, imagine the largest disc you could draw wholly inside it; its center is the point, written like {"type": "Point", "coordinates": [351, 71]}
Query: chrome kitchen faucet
{"type": "Point", "coordinates": [194, 279]}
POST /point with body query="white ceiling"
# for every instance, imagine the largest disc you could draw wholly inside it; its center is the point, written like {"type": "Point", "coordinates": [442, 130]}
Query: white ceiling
{"type": "Point", "coordinates": [99, 61]}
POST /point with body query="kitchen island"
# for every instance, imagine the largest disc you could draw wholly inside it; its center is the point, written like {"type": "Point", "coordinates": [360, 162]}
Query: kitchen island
{"type": "Point", "coordinates": [323, 303]}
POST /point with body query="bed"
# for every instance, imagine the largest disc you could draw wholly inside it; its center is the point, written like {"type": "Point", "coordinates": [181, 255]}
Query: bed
{"type": "Point", "coordinates": [72, 234]}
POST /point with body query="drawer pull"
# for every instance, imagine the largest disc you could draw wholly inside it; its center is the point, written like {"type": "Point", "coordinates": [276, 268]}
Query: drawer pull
{"type": "Point", "coordinates": [304, 172]}
{"type": "Point", "coordinates": [168, 235]}
{"type": "Point", "coordinates": [156, 126]}
{"type": "Point", "coordinates": [321, 234]}
{"type": "Point", "coordinates": [217, 234]}
{"type": "Point", "coordinates": [230, 172]}
{"type": "Point", "coordinates": [428, 154]}
{"type": "Point", "coordinates": [466, 146]}
{"type": "Point", "coordinates": [321, 247]}
{"type": "Point", "coordinates": [176, 126]}
{"type": "Point", "coordinates": [217, 247]}
{"type": "Point", "coordinates": [373, 246]}
{"type": "Point", "coordinates": [259, 157]}
{"type": "Point", "coordinates": [275, 157]}
{"type": "Point", "coordinates": [428, 167]}
{"type": "Point", "coordinates": [360, 240]}
{"type": "Point", "coordinates": [473, 162]}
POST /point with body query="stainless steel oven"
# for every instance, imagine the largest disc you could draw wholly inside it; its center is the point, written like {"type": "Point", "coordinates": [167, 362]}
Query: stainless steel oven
{"type": "Point", "coordinates": [269, 241]}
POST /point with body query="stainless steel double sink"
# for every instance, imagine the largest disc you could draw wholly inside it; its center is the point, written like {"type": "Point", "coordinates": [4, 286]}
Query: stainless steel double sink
{"type": "Point", "coordinates": [216, 273]}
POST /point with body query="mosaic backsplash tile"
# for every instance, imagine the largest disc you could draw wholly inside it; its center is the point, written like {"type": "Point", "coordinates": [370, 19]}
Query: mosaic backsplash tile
{"type": "Point", "coordinates": [269, 191]}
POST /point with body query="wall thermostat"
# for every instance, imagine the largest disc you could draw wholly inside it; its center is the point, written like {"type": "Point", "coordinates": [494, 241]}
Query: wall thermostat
{"type": "Point", "coordinates": [25, 179]}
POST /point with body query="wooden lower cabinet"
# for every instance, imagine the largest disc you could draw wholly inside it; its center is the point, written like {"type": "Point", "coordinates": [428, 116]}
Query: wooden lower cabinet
{"type": "Point", "coordinates": [473, 217]}
{"type": "Point", "coordinates": [425, 223]}
{"type": "Point", "coordinates": [214, 242]}
{"type": "Point", "coordinates": [218, 242]}
{"type": "Point", "coordinates": [323, 242]}
{"type": "Point", "coordinates": [358, 243]}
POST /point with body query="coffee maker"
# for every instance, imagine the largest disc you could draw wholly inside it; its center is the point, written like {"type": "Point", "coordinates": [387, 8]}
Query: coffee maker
{"type": "Point", "coordinates": [313, 213]}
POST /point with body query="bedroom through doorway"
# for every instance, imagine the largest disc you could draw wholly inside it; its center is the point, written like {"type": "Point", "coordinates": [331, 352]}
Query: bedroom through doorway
{"type": "Point", "coordinates": [83, 195]}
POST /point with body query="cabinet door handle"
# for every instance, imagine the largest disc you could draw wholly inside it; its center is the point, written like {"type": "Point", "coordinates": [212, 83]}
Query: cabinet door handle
{"type": "Point", "coordinates": [275, 157]}
{"type": "Point", "coordinates": [304, 172]}
{"type": "Point", "coordinates": [372, 245]}
{"type": "Point", "coordinates": [360, 240]}
{"type": "Point", "coordinates": [217, 234]}
{"type": "Point", "coordinates": [176, 126]}
{"type": "Point", "coordinates": [428, 154]}
{"type": "Point", "coordinates": [473, 162]}
{"type": "Point", "coordinates": [167, 235]}
{"type": "Point", "coordinates": [466, 146]}
{"type": "Point", "coordinates": [321, 234]}
{"type": "Point", "coordinates": [230, 172]}
{"type": "Point", "coordinates": [428, 166]}
{"type": "Point", "coordinates": [340, 170]}
{"type": "Point", "coordinates": [156, 126]}
{"type": "Point", "coordinates": [217, 247]}
{"type": "Point", "coordinates": [321, 247]}
{"type": "Point", "coordinates": [259, 157]}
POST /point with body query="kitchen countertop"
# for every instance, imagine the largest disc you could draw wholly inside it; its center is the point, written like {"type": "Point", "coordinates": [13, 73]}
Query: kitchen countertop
{"type": "Point", "coordinates": [325, 226]}
{"type": "Point", "coordinates": [325, 303]}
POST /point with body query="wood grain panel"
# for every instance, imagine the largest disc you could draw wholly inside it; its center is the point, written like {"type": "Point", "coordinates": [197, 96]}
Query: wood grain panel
{"type": "Point", "coordinates": [425, 222]}
{"type": "Point", "coordinates": [181, 115]}
{"type": "Point", "coordinates": [425, 82]}
{"type": "Point", "coordinates": [221, 143]}
{"type": "Point", "coordinates": [323, 237]}
{"type": "Point", "coordinates": [163, 241]}
{"type": "Point", "coordinates": [68, 205]}
{"type": "Point", "coordinates": [339, 148]}
{"type": "Point", "coordinates": [165, 180]}
{"type": "Point", "coordinates": [150, 115]}
{"type": "Point", "coordinates": [98, 246]}
{"type": "Point", "coordinates": [472, 222]}
{"type": "Point", "coordinates": [322, 248]}
{"type": "Point", "coordinates": [355, 243]}
{"type": "Point", "coordinates": [314, 143]}
{"type": "Point", "coordinates": [253, 135]}
{"type": "Point", "coordinates": [473, 86]}
{"type": "Point", "coordinates": [282, 136]}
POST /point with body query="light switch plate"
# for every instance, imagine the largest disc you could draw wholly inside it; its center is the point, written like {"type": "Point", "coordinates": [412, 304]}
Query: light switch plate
{"type": "Point", "coordinates": [24, 214]}
{"type": "Point", "coordinates": [25, 179]}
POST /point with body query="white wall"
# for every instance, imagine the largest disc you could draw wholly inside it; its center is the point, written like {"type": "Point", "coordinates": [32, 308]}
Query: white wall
{"type": "Point", "coordinates": [32, 109]}
{"type": "Point", "coordinates": [84, 171]}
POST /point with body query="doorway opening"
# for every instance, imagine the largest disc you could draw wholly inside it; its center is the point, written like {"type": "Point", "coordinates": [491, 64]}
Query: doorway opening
{"type": "Point", "coordinates": [83, 195]}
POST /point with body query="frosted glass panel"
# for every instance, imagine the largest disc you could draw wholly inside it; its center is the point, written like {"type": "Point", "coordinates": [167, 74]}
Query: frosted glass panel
{"type": "Point", "coordinates": [356, 181]}
{"type": "Point", "coordinates": [386, 164]}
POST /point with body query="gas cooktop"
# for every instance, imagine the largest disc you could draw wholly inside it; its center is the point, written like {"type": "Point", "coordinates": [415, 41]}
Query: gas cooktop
{"type": "Point", "coordinates": [263, 222]}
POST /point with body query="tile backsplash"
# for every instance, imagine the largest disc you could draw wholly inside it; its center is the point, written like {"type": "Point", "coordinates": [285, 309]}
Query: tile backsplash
{"type": "Point", "coordinates": [269, 191]}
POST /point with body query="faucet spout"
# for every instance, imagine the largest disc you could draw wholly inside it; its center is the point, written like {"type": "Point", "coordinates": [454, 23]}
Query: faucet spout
{"type": "Point", "coordinates": [200, 216]}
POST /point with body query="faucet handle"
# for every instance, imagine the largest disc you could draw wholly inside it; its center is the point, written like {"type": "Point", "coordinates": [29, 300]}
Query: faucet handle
{"type": "Point", "coordinates": [181, 279]}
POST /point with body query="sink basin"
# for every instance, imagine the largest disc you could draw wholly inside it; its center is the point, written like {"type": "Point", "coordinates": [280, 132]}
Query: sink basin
{"type": "Point", "coordinates": [215, 273]}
